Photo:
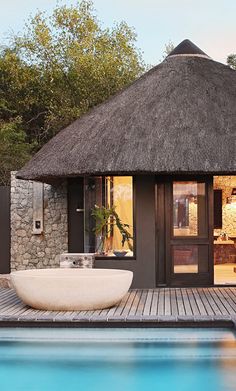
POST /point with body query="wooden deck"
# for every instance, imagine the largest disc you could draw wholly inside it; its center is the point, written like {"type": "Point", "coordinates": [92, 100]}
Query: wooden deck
{"type": "Point", "coordinates": [153, 307]}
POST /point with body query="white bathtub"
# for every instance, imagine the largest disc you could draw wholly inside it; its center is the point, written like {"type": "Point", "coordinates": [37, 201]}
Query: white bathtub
{"type": "Point", "coordinates": [71, 289]}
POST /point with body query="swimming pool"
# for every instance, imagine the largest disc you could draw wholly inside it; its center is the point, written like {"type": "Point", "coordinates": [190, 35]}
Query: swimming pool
{"type": "Point", "coordinates": [117, 359]}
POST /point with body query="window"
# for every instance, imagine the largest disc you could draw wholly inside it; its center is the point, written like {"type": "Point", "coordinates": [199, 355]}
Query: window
{"type": "Point", "coordinates": [109, 216]}
{"type": "Point", "coordinates": [190, 258]}
{"type": "Point", "coordinates": [189, 211]}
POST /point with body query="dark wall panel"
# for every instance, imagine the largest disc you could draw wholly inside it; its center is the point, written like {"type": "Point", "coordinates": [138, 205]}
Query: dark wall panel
{"type": "Point", "coordinates": [4, 229]}
{"type": "Point", "coordinates": [75, 217]}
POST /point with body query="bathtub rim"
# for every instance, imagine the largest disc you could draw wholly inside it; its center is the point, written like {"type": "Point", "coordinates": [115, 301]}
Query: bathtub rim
{"type": "Point", "coordinates": [70, 273]}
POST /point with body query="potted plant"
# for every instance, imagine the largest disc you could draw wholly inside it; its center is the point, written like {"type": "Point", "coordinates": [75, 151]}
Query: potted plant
{"type": "Point", "coordinates": [105, 221]}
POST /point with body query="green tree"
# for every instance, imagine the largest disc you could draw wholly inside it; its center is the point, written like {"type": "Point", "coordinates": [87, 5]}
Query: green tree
{"type": "Point", "coordinates": [61, 66]}
{"type": "Point", "coordinates": [65, 64]}
{"type": "Point", "coordinates": [231, 61]}
{"type": "Point", "coordinates": [168, 48]}
{"type": "Point", "coordinates": [14, 150]}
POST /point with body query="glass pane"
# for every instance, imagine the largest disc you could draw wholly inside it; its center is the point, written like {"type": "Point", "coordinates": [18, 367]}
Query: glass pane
{"type": "Point", "coordinates": [109, 215]}
{"type": "Point", "coordinates": [189, 209]}
{"type": "Point", "coordinates": [190, 258]}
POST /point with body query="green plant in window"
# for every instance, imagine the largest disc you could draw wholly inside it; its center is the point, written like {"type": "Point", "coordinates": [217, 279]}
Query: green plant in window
{"type": "Point", "coordinates": [105, 220]}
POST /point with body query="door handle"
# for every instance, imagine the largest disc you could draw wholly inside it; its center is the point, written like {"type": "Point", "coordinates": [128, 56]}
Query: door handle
{"type": "Point", "coordinates": [79, 210]}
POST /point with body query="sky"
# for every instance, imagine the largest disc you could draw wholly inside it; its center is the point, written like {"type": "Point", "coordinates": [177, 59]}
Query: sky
{"type": "Point", "coordinates": [210, 24]}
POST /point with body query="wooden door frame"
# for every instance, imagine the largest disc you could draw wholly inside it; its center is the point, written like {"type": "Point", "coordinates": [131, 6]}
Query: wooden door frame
{"type": "Point", "coordinates": [164, 242]}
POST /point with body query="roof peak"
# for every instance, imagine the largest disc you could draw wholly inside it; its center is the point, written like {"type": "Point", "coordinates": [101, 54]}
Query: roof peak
{"type": "Point", "coordinates": [187, 48]}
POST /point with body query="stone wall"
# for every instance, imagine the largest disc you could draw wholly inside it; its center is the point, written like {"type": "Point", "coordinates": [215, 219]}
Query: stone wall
{"type": "Point", "coordinates": [30, 250]}
{"type": "Point", "coordinates": [226, 183]}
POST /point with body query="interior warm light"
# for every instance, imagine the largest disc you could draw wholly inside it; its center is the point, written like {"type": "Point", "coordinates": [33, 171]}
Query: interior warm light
{"type": "Point", "coordinates": [232, 198]}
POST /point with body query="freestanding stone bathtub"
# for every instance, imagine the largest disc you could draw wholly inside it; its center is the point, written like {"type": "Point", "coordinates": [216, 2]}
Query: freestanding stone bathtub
{"type": "Point", "coordinates": [71, 289]}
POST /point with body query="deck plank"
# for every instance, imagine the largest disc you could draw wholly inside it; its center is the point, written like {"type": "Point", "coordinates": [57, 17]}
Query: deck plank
{"type": "Point", "coordinates": [112, 310]}
{"type": "Point", "coordinates": [187, 306]}
{"type": "Point", "coordinates": [5, 296]}
{"type": "Point", "coordinates": [14, 307]}
{"type": "Point", "coordinates": [29, 314]}
{"type": "Point", "coordinates": [154, 305]}
{"type": "Point", "coordinates": [142, 302]}
{"type": "Point", "coordinates": [199, 302]}
{"type": "Point", "coordinates": [224, 301]}
{"type": "Point", "coordinates": [192, 302]}
{"type": "Point", "coordinates": [161, 303]}
{"type": "Point", "coordinates": [167, 302]}
{"type": "Point", "coordinates": [13, 302]}
{"type": "Point", "coordinates": [226, 298]}
{"type": "Point", "coordinates": [121, 304]}
{"type": "Point", "coordinates": [180, 303]}
{"type": "Point", "coordinates": [233, 292]}
{"type": "Point", "coordinates": [147, 307]}
{"type": "Point", "coordinates": [221, 307]}
{"type": "Point", "coordinates": [173, 300]}
{"type": "Point", "coordinates": [205, 301]}
{"type": "Point", "coordinates": [135, 304]}
{"type": "Point", "coordinates": [231, 295]}
{"type": "Point", "coordinates": [9, 304]}
{"type": "Point", "coordinates": [79, 315]}
{"type": "Point", "coordinates": [129, 303]}
{"type": "Point", "coordinates": [212, 302]}
{"type": "Point", "coordinates": [173, 304]}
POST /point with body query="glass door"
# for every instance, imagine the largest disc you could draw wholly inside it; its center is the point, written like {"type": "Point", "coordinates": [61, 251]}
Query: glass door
{"type": "Point", "coordinates": [189, 232]}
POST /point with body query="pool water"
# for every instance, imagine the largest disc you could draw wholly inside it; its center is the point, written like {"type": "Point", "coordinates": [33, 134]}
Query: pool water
{"type": "Point", "coordinates": [117, 359]}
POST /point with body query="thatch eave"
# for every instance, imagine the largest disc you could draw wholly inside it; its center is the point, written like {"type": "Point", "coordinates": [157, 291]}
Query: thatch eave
{"type": "Point", "coordinates": [55, 179]}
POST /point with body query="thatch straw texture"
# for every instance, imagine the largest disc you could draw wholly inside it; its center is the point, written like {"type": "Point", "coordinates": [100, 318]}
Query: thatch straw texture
{"type": "Point", "coordinates": [179, 117]}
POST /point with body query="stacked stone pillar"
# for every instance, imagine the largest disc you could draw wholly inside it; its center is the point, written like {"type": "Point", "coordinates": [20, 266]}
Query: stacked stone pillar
{"type": "Point", "coordinates": [30, 250]}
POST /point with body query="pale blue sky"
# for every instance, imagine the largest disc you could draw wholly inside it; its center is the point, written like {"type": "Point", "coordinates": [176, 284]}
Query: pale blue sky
{"type": "Point", "coordinates": [208, 23]}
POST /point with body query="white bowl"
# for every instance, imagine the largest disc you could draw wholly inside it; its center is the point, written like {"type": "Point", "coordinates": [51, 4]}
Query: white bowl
{"type": "Point", "coordinates": [71, 289]}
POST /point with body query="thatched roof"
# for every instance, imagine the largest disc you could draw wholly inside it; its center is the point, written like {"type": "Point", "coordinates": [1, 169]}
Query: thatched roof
{"type": "Point", "coordinates": [187, 47]}
{"type": "Point", "coordinates": [179, 117]}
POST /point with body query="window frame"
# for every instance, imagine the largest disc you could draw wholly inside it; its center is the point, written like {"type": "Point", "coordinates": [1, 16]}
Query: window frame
{"type": "Point", "coordinates": [124, 258]}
